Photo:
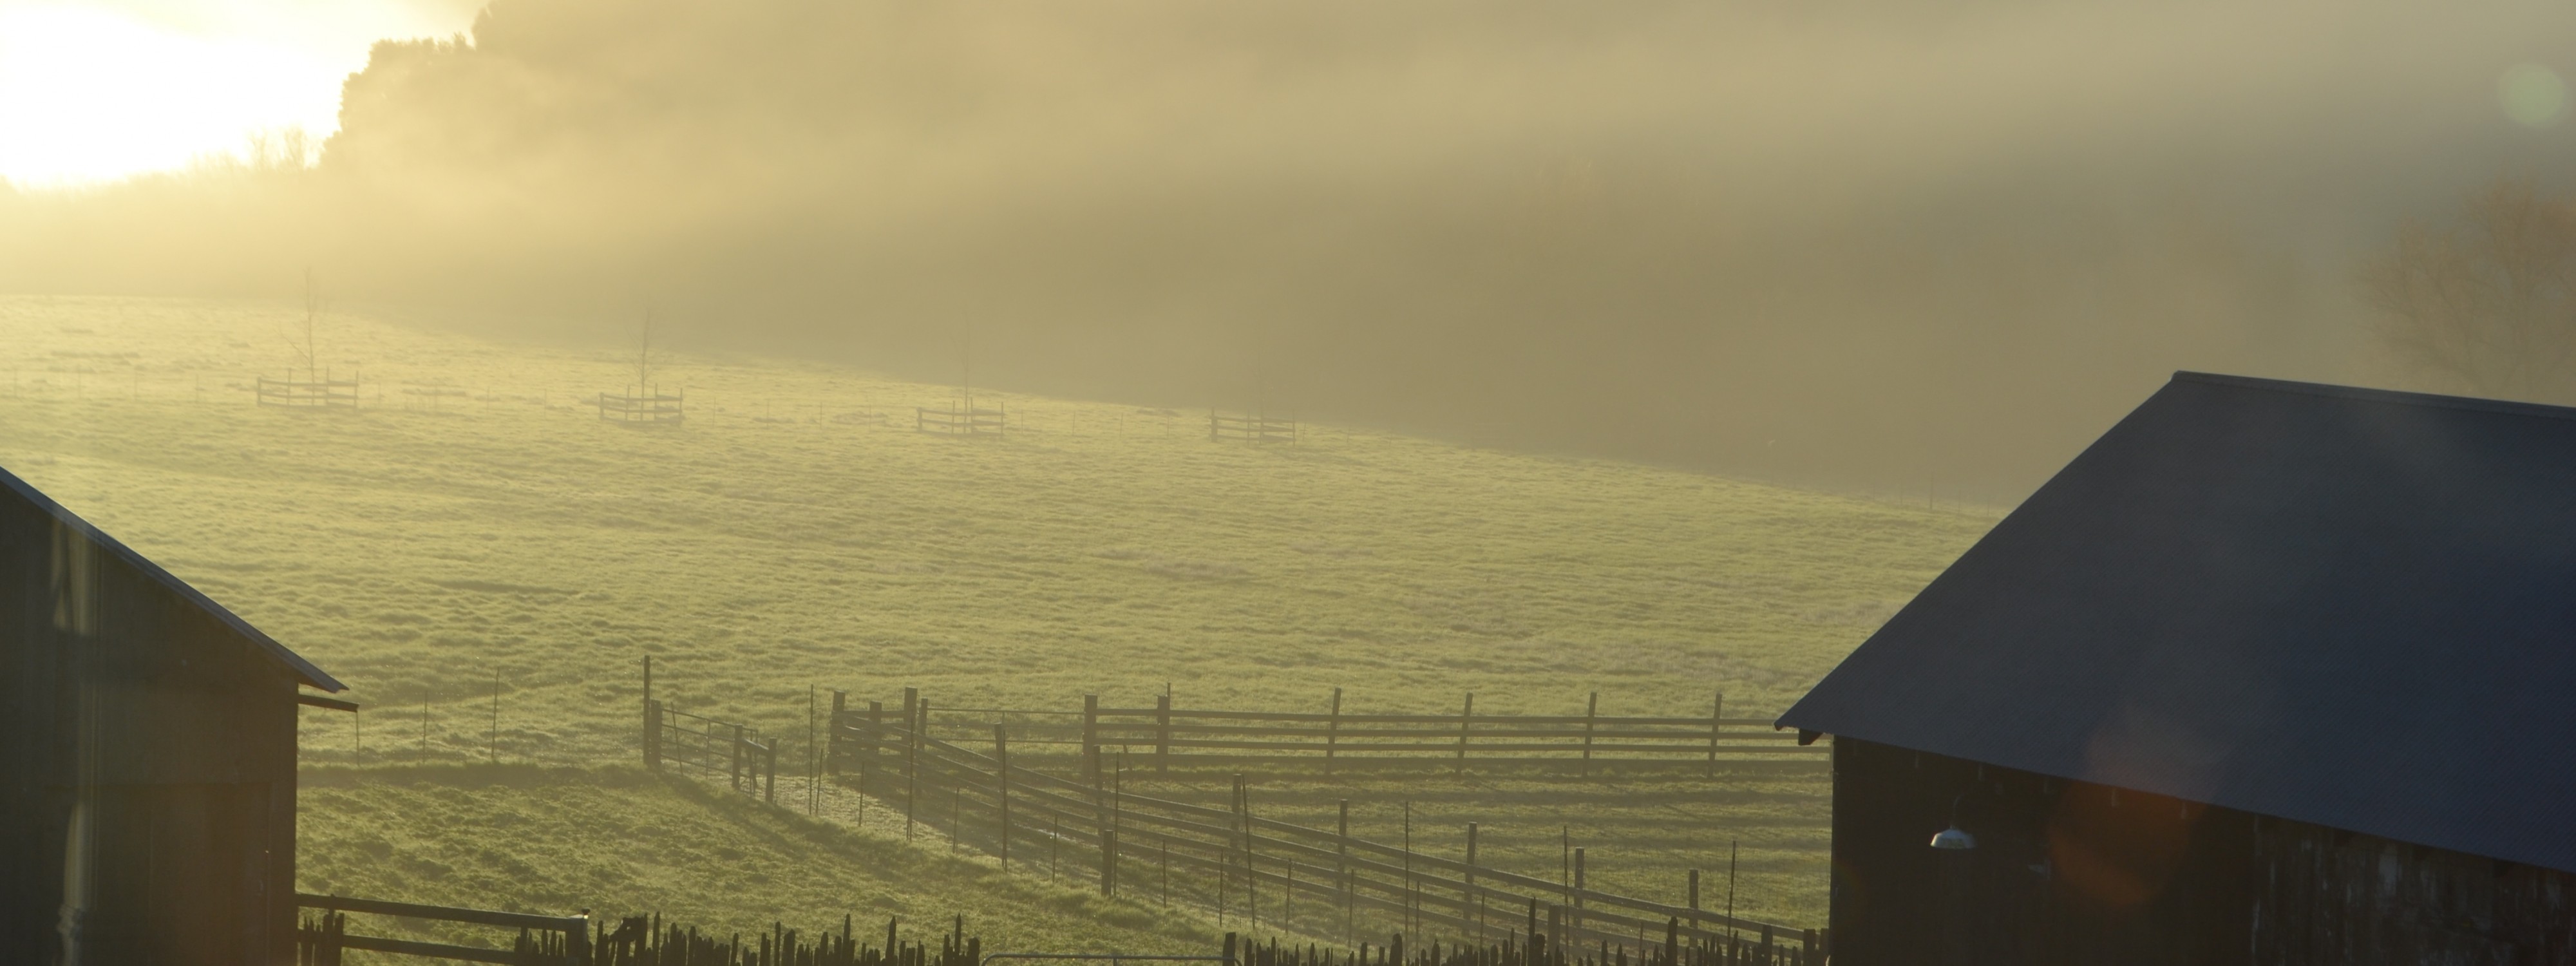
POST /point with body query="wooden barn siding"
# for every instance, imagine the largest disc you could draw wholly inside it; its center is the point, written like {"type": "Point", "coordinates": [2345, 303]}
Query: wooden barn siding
{"type": "Point", "coordinates": [2074, 873]}
{"type": "Point", "coordinates": [183, 736]}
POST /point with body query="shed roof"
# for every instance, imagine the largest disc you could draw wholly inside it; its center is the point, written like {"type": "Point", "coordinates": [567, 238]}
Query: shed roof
{"type": "Point", "coordinates": [303, 670]}
{"type": "Point", "coordinates": [2342, 606]}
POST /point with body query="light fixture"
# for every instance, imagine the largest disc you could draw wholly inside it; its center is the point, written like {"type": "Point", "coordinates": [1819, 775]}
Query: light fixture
{"type": "Point", "coordinates": [1954, 837]}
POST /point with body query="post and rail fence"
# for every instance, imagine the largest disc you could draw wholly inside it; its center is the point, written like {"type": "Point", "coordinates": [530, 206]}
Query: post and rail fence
{"type": "Point", "coordinates": [643, 405]}
{"type": "Point", "coordinates": [749, 764]}
{"type": "Point", "coordinates": [968, 420]}
{"type": "Point", "coordinates": [1251, 428]}
{"type": "Point", "coordinates": [322, 934]}
{"type": "Point", "coordinates": [1166, 737]}
{"type": "Point", "coordinates": [1240, 860]}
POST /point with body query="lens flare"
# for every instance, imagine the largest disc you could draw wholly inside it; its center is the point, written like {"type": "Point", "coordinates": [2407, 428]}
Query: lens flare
{"type": "Point", "coordinates": [2533, 95]}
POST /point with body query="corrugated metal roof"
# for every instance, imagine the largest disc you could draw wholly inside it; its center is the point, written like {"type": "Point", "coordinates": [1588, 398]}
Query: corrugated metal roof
{"type": "Point", "coordinates": [2341, 606]}
{"type": "Point", "coordinates": [304, 670]}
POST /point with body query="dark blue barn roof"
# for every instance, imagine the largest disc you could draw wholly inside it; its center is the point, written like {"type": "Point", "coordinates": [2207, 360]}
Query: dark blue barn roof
{"type": "Point", "coordinates": [303, 670]}
{"type": "Point", "coordinates": [2340, 606]}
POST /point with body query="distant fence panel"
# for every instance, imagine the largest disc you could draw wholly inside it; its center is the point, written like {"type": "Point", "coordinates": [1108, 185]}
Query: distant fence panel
{"type": "Point", "coordinates": [994, 804]}
{"type": "Point", "coordinates": [314, 390]}
{"type": "Point", "coordinates": [966, 420]}
{"type": "Point", "coordinates": [643, 406]}
{"type": "Point", "coordinates": [1253, 428]}
{"type": "Point", "coordinates": [749, 764]}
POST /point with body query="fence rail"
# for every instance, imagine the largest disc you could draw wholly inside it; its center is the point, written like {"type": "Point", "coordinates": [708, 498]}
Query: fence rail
{"type": "Point", "coordinates": [1253, 428]}
{"type": "Point", "coordinates": [542, 940]}
{"type": "Point", "coordinates": [1003, 808]}
{"type": "Point", "coordinates": [312, 390]}
{"type": "Point", "coordinates": [643, 406]}
{"type": "Point", "coordinates": [716, 746]}
{"type": "Point", "coordinates": [1165, 736]}
{"type": "Point", "coordinates": [971, 420]}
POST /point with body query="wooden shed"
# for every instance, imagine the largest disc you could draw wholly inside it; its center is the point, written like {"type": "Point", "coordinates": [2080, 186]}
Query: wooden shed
{"type": "Point", "coordinates": [147, 757]}
{"type": "Point", "coordinates": [2272, 673]}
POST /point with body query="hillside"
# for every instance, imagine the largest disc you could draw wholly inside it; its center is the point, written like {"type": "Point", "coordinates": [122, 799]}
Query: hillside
{"type": "Point", "coordinates": [798, 532]}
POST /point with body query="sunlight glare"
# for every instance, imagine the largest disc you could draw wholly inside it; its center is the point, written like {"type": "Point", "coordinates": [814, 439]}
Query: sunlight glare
{"type": "Point", "coordinates": [96, 93]}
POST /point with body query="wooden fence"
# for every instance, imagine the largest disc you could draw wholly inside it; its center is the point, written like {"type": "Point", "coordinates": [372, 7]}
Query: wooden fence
{"type": "Point", "coordinates": [643, 406]}
{"type": "Point", "coordinates": [1164, 736]}
{"type": "Point", "coordinates": [312, 390]}
{"type": "Point", "coordinates": [1252, 428]}
{"type": "Point", "coordinates": [1011, 810]}
{"type": "Point", "coordinates": [969, 420]}
{"type": "Point", "coordinates": [717, 746]}
{"type": "Point", "coordinates": [1536, 948]}
{"type": "Point", "coordinates": [634, 941]}
{"type": "Point", "coordinates": [542, 941]}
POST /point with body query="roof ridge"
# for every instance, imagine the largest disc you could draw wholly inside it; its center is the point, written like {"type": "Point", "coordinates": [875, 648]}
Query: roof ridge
{"type": "Point", "coordinates": [305, 669]}
{"type": "Point", "coordinates": [2391, 396]}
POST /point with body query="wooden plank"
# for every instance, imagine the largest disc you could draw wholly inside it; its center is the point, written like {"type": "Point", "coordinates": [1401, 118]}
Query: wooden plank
{"type": "Point", "coordinates": [1492, 727]}
{"type": "Point", "coordinates": [1181, 714]}
{"type": "Point", "coordinates": [1451, 746]}
{"type": "Point", "coordinates": [480, 917]}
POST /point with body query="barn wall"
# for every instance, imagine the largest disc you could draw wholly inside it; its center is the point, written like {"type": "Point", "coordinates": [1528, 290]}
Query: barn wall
{"type": "Point", "coordinates": [149, 758]}
{"type": "Point", "coordinates": [2078, 873]}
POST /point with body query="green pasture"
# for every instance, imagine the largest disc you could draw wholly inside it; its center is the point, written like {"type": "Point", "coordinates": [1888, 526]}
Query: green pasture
{"type": "Point", "coordinates": [797, 533]}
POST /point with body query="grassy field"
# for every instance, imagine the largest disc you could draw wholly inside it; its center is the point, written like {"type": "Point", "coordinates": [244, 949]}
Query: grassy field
{"type": "Point", "coordinates": [797, 532]}
{"type": "Point", "coordinates": [565, 839]}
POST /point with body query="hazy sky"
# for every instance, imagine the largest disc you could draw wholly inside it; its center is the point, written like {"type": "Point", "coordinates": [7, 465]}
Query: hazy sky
{"type": "Point", "coordinates": [1881, 242]}
{"type": "Point", "coordinates": [95, 91]}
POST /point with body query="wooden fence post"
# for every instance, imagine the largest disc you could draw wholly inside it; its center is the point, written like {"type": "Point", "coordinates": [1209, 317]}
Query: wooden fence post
{"type": "Point", "coordinates": [1332, 729]}
{"type": "Point", "coordinates": [1162, 732]}
{"type": "Point", "coordinates": [1694, 898]}
{"type": "Point", "coordinates": [734, 773]}
{"type": "Point", "coordinates": [1591, 710]}
{"type": "Point", "coordinates": [1108, 861]}
{"type": "Point", "coordinates": [1002, 788]}
{"type": "Point", "coordinates": [1716, 724]}
{"type": "Point", "coordinates": [1465, 715]}
{"type": "Point", "coordinates": [653, 735]}
{"type": "Point", "coordinates": [652, 720]}
{"type": "Point", "coordinates": [1243, 841]}
{"type": "Point", "coordinates": [832, 733]}
{"type": "Point", "coordinates": [769, 791]}
{"type": "Point", "coordinates": [1091, 736]}
{"type": "Point", "coordinates": [873, 745]}
{"type": "Point", "coordinates": [1342, 865]}
{"type": "Point", "coordinates": [1474, 899]}
{"type": "Point", "coordinates": [1578, 888]}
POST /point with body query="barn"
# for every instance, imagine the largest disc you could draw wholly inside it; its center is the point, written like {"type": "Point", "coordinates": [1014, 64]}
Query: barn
{"type": "Point", "coordinates": [2271, 673]}
{"type": "Point", "coordinates": [147, 743]}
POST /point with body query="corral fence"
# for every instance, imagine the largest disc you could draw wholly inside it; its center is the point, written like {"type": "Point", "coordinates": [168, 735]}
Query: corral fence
{"type": "Point", "coordinates": [314, 389]}
{"type": "Point", "coordinates": [323, 933]}
{"type": "Point", "coordinates": [962, 420]}
{"type": "Point", "coordinates": [643, 406]}
{"type": "Point", "coordinates": [1165, 737]}
{"type": "Point", "coordinates": [579, 940]}
{"type": "Point", "coordinates": [1301, 878]}
{"type": "Point", "coordinates": [1253, 428]}
{"type": "Point", "coordinates": [1536, 948]}
{"type": "Point", "coordinates": [749, 764]}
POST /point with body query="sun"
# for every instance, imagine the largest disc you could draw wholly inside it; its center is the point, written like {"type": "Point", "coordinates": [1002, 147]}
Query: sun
{"type": "Point", "coordinates": [100, 91]}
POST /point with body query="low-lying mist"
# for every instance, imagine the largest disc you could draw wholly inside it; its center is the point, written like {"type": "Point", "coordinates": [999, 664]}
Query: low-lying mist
{"type": "Point", "coordinates": [1881, 245]}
